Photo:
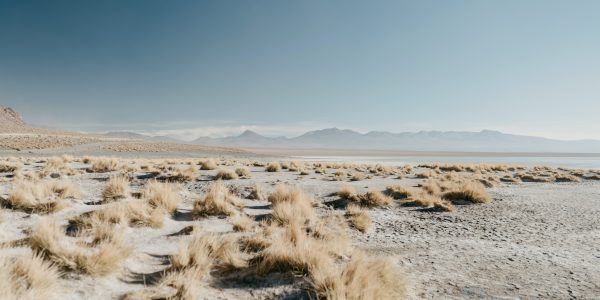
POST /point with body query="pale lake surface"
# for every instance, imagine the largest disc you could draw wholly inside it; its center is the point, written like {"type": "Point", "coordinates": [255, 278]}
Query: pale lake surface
{"type": "Point", "coordinates": [582, 162]}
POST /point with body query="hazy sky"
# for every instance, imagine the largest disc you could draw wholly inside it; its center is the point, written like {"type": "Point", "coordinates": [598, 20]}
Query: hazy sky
{"type": "Point", "coordinates": [282, 67]}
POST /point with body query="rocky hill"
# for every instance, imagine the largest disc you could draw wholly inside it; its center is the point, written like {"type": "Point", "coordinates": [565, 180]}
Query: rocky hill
{"type": "Point", "coordinates": [11, 121]}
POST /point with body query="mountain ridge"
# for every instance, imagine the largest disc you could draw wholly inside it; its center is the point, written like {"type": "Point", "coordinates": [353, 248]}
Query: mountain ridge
{"type": "Point", "coordinates": [334, 138]}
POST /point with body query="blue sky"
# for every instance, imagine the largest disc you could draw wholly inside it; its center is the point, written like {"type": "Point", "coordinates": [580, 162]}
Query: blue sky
{"type": "Point", "coordinates": [283, 67]}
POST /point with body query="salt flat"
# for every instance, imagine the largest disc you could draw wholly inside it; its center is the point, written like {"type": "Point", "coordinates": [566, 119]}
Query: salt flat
{"type": "Point", "coordinates": [532, 240]}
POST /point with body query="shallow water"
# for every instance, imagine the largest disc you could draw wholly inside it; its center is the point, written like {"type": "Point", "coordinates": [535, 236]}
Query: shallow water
{"type": "Point", "coordinates": [566, 162]}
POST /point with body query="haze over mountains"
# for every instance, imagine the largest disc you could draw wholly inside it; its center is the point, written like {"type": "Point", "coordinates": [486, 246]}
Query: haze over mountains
{"type": "Point", "coordinates": [334, 138]}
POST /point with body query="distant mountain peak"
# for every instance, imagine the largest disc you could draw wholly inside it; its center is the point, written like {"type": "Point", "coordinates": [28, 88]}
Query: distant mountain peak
{"type": "Point", "coordinates": [249, 133]}
{"type": "Point", "coordinates": [330, 131]}
{"type": "Point", "coordinates": [432, 140]}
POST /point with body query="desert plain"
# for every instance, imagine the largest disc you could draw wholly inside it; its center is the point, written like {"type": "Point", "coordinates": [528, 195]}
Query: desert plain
{"type": "Point", "coordinates": [96, 217]}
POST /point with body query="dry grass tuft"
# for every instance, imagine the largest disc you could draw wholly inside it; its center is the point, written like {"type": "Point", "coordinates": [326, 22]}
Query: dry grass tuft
{"type": "Point", "coordinates": [40, 196]}
{"type": "Point", "coordinates": [220, 251]}
{"type": "Point", "coordinates": [362, 278]}
{"type": "Point", "coordinates": [65, 189]}
{"type": "Point", "coordinates": [57, 165]}
{"type": "Point", "coordinates": [566, 178]}
{"type": "Point", "coordinates": [359, 217]}
{"type": "Point", "coordinates": [400, 192]}
{"type": "Point", "coordinates": [243, 172]}
{"type": "Point", "coordinates": [241, 222]}
{"type": "Point", "coordinates": [104, 255]}
{"type": "Point", "coordinates": [130, 212]}
{"type": "Point", "coordinates": [217, 201]}
{"type": "Point", "coordinates": [292, 249]}
{"type": "Point", "coordinates": [430, 202]}
{"type": "Point", "coordinates": [162, 195]}
{"type": "Point", "coordinates": [357, 177]}
{"type": "Point", "coordinates": [346, 192]}
{"type": "Point", "coordinates": [27, 277]}
{"type": "Point", "coordinates": [339, 176]}
{"type": "Point", "coordinates": [103, 165]}
{"type": "Point", "coordinates": [473, 192]}
{"type": "Point", "coordinates": [208, 164]}
{"type": "Point", "coordinates": [257, 193]}
{"type": "Point", "coordinates": [184, 174]}
{"type": "Point", "coordinates": [193, 262]}
{"type": "Point", "coordinates": [226, 175]}
{"type": "Point", "coordinates": [116, 188]}
{"type": "Point", "coordinates": [371, 199]}
{"type": "Point", "coordinates": [291, 204]}
{"type": "Point", "coordinates": [8, 167]}
{"type": "Point", "coordinates": [426, 174]}
{"type": "Point", "coordinates": [273, 167]}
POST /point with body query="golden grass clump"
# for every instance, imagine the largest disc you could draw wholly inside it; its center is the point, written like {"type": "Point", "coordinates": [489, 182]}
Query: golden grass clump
{"type": "Point", "coordinates": [161, 195]}
{"type": "Point", "coordinates": [339, 176]}
{"type": "Point", "coordinates": [27, 277]}
{"type": "Point", "coordinates": [243, 172]}
{"type": "Point", "coordinates": [21, 175]}
{"type": "Point", "coordinates": [193, 262]}
{"type": "Point", "coordinates": [241, 222]}
{"type": "Point", "coordinates": [221, 251]}
{"type": "Point", "coordinates": [57, 165]}
{"type": "Point", "coordinates": [103, 165]}
{"type": "Point", "coordinates": [400, 192]}
{"type": "Point", "coordinates": [208, 164]}
{"type": "Point", "coordinates": [296, 166]}
{"type": "Point", "coordinates": [536, 177]}
{"type": "Point", "coordinates": [361, 278]}
{"type": "Point", "coordinates": [226, 175]}
{"type": "Point", "coordinates": [100, 257]}
{"type": "Point", "coordinates": [217, 201]}
{"type": "Point", "coordinates": [39, 196]}
{"type": "Point", "coordinates": [299, 248]}
{"type": "Point", "coordinates": [473, 192]}
{"type": "Point", "coordinates": [426, 174]}
{"type": "Point", "coordinates": [439, 185]}
{"type": "Point", "coordinates": [117, 187]}
{"type": "Point", "coordinates": [65, 189]}
{"type": "Point", "coordinates": [357, 177]}
{"type": "Point", "coordinates": [256, 193]}
{"type": "Point", "coordinates": [291, 204]}
{"type": "Point", "coordinates": [292, 249]}
{"type": "Point", "coordinates": [562, 177]}
{"type": "Point", "coordinates": [8, 167]}
{"type": "Point", "coordinates": [428, 201]}
{"type": "Point", "coordinates": [371, 199]}
{"type": "Point", "coordinates": [359, 217]}
{"type": "Point", "coordinates": [184, 174]}
{"type": "Point", "coordinates": [129, 212]}
{"type": "Point", "coordinates": [273, 167]}
{"type": "Point", "coordinates": [346, 192]}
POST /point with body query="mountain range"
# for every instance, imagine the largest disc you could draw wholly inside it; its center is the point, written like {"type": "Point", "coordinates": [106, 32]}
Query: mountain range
{"type": "Point", "coordinates": [334, 138]}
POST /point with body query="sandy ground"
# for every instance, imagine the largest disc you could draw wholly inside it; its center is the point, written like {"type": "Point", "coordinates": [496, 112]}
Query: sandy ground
{"type": "Point", "coordinates": [534, 240]}
{"type": "Point", "coordinates": [44, 143]}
